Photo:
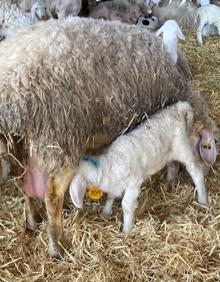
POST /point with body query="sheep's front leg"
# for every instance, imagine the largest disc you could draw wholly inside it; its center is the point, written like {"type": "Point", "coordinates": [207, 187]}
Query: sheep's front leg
{"type": "Point", "coordinates": [32, 215]}
{"type": "Point", "coordinates": [129, 205]}
{"type": "Point", "coordinates": [54, 198]}
{"type": "Point", "coordinates": [108, 205]}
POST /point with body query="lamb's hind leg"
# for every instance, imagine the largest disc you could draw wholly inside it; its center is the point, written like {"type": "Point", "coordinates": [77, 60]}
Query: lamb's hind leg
{"type": "Point", "coordinates": [54, 198]}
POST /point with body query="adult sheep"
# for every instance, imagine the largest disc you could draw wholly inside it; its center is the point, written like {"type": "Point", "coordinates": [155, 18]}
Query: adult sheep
{"type": "Point", "coordinates": [63, 82]}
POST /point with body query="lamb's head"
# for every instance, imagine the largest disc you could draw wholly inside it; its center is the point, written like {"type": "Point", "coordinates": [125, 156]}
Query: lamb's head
{"type": "Point", "coordinates": [40, 11]}
{"type": "Point", "coordinates": [172, 30]}
{"type": "Point", "coordinates": [204, 138]}
{"type": "Point", "coordinates": [77, 190]}
{"type": "Point", "coordinates": [86, 175]}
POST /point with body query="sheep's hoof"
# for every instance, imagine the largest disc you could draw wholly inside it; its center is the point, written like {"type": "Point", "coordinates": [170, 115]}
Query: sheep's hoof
{"type": "Point", "coordinates": [56, 249]}
{"type": "Point", "coordinates": [32, 223]}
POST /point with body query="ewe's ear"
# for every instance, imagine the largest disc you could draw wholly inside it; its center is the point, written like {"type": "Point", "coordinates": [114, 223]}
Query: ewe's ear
{"type": "Point", "coordinates": [77, 190]}
{"type": "Point", "coordinates": [180, 34]}
{"type": "Point", "coordinates": [207, 146]}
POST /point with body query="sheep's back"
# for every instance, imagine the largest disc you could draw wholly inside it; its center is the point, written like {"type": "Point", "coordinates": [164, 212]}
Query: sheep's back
{"type": "Point", "coordinates": [64, 81]}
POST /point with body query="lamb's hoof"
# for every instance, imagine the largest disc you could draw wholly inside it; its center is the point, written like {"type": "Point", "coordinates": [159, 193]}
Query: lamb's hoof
{"type": "Point", "coordinates": [106, 212]}
{"type": "Point", "coordinates": [203, 202]}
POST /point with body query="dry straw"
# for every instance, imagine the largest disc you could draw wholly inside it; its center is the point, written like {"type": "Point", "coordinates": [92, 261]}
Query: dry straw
{"type": "Point", "coordinates": [174, 238]}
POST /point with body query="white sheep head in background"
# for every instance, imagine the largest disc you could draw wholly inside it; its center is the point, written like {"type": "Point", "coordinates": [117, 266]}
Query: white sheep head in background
{"type": "Point", "coordinates": [40, 11]}
{"type": "Point", "coordinates": [171, 33]}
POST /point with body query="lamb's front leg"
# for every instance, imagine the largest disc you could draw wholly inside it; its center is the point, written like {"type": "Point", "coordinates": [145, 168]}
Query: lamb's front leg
{"type": "Point", "coordinates": [129, 205]}
{"type": "Point", "coordinates": [108, 205]}
{"type": "Point", "coordinates": [198, 179]}
{"type": "Point", "coordinates": [172, 172]}
{"type": "Point", "coordinates": [199, 32]}
{"type": "Point", "coordinates": [187, 158]}
{"type": "Point", "coordinates": [54, 198]}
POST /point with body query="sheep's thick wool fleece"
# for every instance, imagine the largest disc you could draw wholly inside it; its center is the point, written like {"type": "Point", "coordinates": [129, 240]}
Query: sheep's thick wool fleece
{"type": "Point", "coordinates": [62, 82]}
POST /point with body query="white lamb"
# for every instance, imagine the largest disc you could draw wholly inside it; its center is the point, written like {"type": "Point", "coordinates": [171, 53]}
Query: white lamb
{"type": "Point", "coordinates": [134, 157]}
{"type": "Point", "coordinates": [208, 15]}
{"type": "Point", "coordinates": [171, 33]}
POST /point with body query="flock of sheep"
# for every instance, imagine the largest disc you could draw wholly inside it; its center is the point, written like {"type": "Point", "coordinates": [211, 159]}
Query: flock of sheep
{"type": "Point", "coordinates": [66, 80]}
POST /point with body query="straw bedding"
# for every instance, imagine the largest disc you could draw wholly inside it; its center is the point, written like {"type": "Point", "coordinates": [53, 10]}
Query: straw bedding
{"type": "Point", "coordinates": [174, 238]}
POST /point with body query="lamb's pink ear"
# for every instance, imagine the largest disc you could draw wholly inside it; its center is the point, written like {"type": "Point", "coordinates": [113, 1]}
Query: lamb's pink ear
{"type": "Point", "coordinates": [77, 190]}
{"type": "Point", "coordinates": [207, 147]}
{"type": "Point", "coordinates": [180, 34]}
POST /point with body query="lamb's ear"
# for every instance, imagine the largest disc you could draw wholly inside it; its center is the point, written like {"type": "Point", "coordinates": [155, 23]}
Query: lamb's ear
{"type": "Point", "coordinates": [180, 34]}
{"type": "Point", "coordinates": [207, 147]}
{"type": "Point", "coordinates": [77, 190]}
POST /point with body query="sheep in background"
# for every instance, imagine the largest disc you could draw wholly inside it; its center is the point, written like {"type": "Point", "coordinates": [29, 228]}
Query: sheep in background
{"type": "Point", "coordinates": [184, 15]}
{"type": "Point", "coordinates": [121, 10]}
{"type": "Point", "coordinates": [151, 23]}
{"type": "Point", "coordinates": [207, 15]}
{"type": "Point", "coordinates": [4, 164]}
{"type": "Point", "coordinates": [14, 18]}
{"type": "Point", "coordinates": [58, 8]}
{"type": "Point", "coordinates": [171, 32]}
{"type": "Point", "coordinates": [203, 2]}
{"type": "Point", "coordinates": [134, 157]}
{"type": "Point", "coordinates": [209, 30]}
{"type": "Point", "coordinates": [57, 108]}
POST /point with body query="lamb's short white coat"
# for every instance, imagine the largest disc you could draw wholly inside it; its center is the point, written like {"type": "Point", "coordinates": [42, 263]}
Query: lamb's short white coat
{"type": "Point", "coordinates": [134, 157]}
{"type": "Point", "coordinates": [207, 15]}
{"type": "Point", "coordinates": [171, 33]}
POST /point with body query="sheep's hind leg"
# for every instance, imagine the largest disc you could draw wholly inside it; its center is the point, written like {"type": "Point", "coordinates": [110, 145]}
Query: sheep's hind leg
{"type": "Point", "coordinates": [54, 198]}
{"type": "Point", "coordinates": [32, 215]}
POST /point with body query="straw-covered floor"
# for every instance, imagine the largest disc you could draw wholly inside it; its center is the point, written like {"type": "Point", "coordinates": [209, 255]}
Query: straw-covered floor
{"type": "Point", "coordinates": [174, 238]}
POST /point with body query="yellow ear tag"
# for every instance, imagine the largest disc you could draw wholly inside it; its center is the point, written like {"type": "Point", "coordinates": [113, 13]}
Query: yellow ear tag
{"type": "Point", "coordinates": [95, 193]}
